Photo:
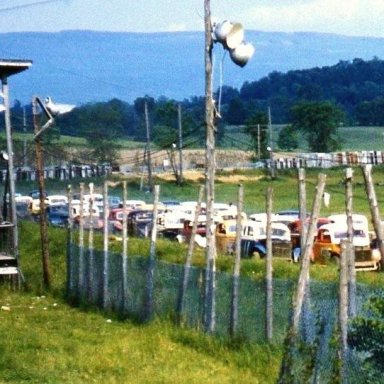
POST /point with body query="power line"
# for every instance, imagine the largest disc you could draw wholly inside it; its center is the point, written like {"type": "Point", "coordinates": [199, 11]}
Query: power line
{"type": "Point", "coordinates": [27, 5]}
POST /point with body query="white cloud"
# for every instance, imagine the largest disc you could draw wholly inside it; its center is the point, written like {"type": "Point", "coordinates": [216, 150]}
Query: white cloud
{"type": "Point", "coordinates": [352, 17]}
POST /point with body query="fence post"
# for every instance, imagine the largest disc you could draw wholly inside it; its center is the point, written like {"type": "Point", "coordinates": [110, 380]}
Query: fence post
{"type": "Point", "coordinates": [343, 308]}
{"type": "Point", "coordinates": [268, 270]}
{"type": "Point", "coordinates": [305, 262]}
{"type": "Point", "coordinates": [350, 250]}
{"type": "Point", "coordinates": [81, 243]}
{"type": "Point", "coordinates": [70, 269]}
{"type": "Point", "coordinates": [188, 260]}
{"type": "Point", "coordinates": [124, 279]}
{"type": "Point", "coordinates": [374, 210]}
{"type": "Point", "coordinates": [91, 277]}
{"type": "Point", "coordinates": [302, 208]}
{"type": "Point", "coordinates": [236, 269]}
{"type": "Point", "coordinates": [105, 246]}
{"type": "Point", "coordinates": [152, 256]}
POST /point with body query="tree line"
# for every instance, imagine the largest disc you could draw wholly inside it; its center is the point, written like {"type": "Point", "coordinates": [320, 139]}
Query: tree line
{"type": "Point", "coordinates": [311, 103]}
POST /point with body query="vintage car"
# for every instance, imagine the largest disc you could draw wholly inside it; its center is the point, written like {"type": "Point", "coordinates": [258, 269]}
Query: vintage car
{"type": "Point", "coordinates": [254, 237]}
{"type": "Point", "coordinates": [225, 235]}
{"type": "Point", "coordinates": [115, 218]}
{"type": "Point", "coordinates": [140, 220]}
{"type": "Point", "coordinates": [295, 228]}
{"type": "Point", "coordinates": [327, 246]}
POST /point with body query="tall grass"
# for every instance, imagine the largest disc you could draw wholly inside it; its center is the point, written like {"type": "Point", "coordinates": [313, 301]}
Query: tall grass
{"type": "Point", "coordinates": [45, 340]}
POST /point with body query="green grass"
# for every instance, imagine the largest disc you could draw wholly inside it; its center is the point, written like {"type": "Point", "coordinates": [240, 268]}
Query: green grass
{"type": "Point", "coordinates": [45, 340]}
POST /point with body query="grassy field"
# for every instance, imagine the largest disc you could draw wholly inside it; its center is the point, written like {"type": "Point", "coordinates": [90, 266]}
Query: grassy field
{"type": "Point", "coordinates": [352, 139]}
{"type": "Point", "coordinates": [45, 340]}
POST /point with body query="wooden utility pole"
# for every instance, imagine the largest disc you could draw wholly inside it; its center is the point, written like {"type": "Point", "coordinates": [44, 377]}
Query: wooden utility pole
{"type": "Point", "coordinates": [271, 144]}
{"type": "Point", "coordinates": [149, 163]}
{"type": "Point", "coordinates": [180, 175]}
{"type": "Point", "coordinates": [40, 179]}
{"type": "Point", "coordinates": [210, 164]}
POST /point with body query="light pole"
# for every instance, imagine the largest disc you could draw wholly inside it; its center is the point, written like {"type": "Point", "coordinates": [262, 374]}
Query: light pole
{"type": "Point", "coordinates": [38, 130]}
{"type": "Point", "coordinates": [231, 36]}
{"type": "Point", "coordinates": [9, 68]}
{"type": "Point", "coordinates": [50, 110]}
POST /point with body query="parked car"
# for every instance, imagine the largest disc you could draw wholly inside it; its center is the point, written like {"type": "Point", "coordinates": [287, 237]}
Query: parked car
{"type": "Point", "coordinates": [295, 228]}
{"type": "Point", "coordinates": [58, 218]}
{"type": "Point", "coordinates": [88, 221]}
{"type": "Point", "coordinates": [254, 237]}
{"type": "Point", "coordinates": [35, 194]}
{"type": "Point", "coordinates": [327, 246]}
{"type": "Point", "coordinates": [225, 234]}
{"type": "Point", "coordinates": [140, 220]}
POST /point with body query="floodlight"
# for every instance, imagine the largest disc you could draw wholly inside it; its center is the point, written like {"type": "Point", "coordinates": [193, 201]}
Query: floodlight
{"type": "Point", "coordinates": [242, 53]}
{"type": "Point", "coordinates": [235, 36]}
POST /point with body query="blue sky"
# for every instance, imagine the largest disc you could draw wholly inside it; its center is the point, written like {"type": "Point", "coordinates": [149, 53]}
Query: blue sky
{"type": "Point", "coordinates": [348, 17]}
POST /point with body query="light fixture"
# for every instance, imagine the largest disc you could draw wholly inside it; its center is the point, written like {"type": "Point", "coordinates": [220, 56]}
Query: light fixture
{"type": "Point", "coordinates": [4, 155]}
{"type": "Point", "coordinates": [231, 36]}
{"type": "Point", "coordinates": [242, 53]}
{"type": "Point", "coordinates": [56, 108]}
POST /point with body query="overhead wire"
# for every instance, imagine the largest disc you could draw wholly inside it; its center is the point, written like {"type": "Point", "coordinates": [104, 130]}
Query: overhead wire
{"type": "Point", "coordinates": [27, 5]}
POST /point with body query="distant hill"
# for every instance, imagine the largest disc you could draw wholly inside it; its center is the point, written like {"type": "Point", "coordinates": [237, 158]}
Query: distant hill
{"type": "Point", "coordinates": [83, 66]}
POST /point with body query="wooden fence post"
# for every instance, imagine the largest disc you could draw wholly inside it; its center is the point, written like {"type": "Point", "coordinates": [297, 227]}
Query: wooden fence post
{"type": "Point", "coordinates": [302, 208]}
{"type": "Point", "coordinates": [124, 279]}
{"type": "Point", "coordinates": [343, 308]}
{"type": "Point", "coordinates": [268, 270]}
{"type": "Point", "coordinates": [105, 246]}
{"type": "Point", "coordinates": [350, 250]}
{"type": "Point", "coordinates": [376, 220]}
{"type": "Point", "coordinates": [188, 260]}
{"type": "Point", "coordinates": [305, 262]}
{"type": "Point", "coordinates": [70, 256]}
{"type": "Point", "coordinates": [152, 256]}
{"type": "Point", "coordinates": [81, 242]}
{"type": "Point", "coordinates": [236, 269]}
{"type": "Point", "coordinates": [90, 246]}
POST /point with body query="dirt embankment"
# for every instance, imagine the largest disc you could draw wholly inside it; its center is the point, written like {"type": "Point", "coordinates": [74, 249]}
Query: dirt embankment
{"type": "Point", "coordinates": [192, 158]}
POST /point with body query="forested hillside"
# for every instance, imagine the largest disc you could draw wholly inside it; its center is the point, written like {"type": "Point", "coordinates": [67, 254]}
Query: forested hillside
{"type": "Point", "coordinates": [356, 88]}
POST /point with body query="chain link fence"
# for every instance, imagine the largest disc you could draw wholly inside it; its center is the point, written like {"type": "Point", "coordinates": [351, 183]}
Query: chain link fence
{"type": "Point", "coordinates": [313, 358]}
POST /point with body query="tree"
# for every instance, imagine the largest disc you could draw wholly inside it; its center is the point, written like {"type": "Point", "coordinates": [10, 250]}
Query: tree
{"type": "Point", "coordinates": [319, 122]}
{"type": "Point", "coordinates": [102, 124]}
{"type": "Point", "coordinates": [257, 127]}
{"type": "Point", "coordinates": [288, 138]}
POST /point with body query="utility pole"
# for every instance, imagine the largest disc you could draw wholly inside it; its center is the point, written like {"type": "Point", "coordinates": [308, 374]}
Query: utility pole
{"type": "Point", "coordinates": [25, 161]}
{"type": "Point", "coordinates": [210, 163]}
{"type": "Point", "coordinates": [271, 144]}
{"type": "Point", "coordinates": [148, 146]}
{"type": "Point", "coordinates": [38, 130]}
{"type": "Point", "coordinates": [258, 142]}
{"type": "Point", "coordinates": [180, 177]}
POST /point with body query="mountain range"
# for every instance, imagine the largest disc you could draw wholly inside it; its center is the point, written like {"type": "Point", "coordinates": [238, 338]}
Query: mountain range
{"type": "Point", "coordinates": [79, 67]}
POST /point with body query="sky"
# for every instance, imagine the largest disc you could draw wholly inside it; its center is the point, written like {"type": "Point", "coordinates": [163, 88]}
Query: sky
{"type": "Point", "coordinates": [346, 17]}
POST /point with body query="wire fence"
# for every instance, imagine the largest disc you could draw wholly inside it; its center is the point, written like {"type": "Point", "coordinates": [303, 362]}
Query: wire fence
{"type": "Point", "coordinates": [313, 359]}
